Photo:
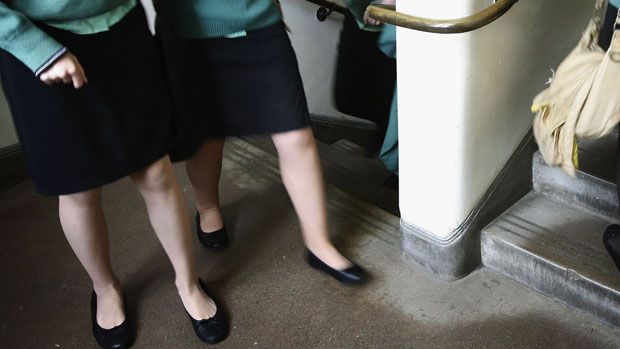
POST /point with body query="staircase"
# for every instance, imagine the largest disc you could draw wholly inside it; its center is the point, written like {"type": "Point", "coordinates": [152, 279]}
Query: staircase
{"type": "Point", "coordinates": [551, 240]}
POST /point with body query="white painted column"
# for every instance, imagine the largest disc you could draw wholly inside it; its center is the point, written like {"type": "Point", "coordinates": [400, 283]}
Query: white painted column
{"type": "Point", "coordinates": [432, 83]}
{"type": "Point", "coordinates": [464, 101]}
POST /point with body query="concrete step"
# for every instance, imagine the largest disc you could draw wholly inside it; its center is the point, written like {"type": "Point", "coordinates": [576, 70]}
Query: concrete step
{"type": "Point", "coordinates": [556, 248]}
{"type": "Point", "coordinates": [592, 187]}
{"type": "Point", "coordinates": [597, 157]}
{"type": "Point", "coordinates": [331, 129]}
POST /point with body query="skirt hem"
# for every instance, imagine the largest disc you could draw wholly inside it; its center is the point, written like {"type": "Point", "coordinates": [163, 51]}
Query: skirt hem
{"type": "Point", "coordinates": [99, 182]}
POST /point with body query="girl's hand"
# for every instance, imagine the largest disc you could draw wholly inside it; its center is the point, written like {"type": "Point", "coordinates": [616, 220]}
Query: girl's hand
{"type": "Point", "coordinates": [371, 21]}
{"type": "Point", "coordinates": [65, 70]}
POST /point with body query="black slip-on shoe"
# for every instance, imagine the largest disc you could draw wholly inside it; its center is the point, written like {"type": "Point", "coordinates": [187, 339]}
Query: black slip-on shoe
{"type": "Point", "coordinates": [354, 275]}
{"type": "Point", "coordinates": [217, 240]}
{"type": "Point", "coordinates": [611, 240]}
{"type": "Point", "coordinates": [214, 329]}
{"type": "Point", "coordinates": [119, 337]}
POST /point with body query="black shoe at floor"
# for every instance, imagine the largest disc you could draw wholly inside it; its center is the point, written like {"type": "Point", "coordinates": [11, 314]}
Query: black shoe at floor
{"type": "Point", "coordinates": [214, 329]}
{"type": "Point", "coordinates": [217, 240]}
{"type": "Point", "coordinates": [119, 337]}
{"type": "Point", "coordinates": [611, 239]}
{"type": "Point", "coordinates": [354, 275]}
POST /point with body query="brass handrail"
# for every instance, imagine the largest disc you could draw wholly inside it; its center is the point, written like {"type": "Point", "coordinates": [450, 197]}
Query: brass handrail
{"type": "Point", "coordinates": [387, 14]}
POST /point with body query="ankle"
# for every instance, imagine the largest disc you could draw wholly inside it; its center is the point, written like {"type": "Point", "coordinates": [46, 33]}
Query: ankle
{"type": "Point", "coordinates": [211, 219]}
{"type": "Point", "coordinates": [186, 286]}
{"type": "Point", "coordinates": [108, 288]}
{"type": "Point", "coordinates": [318, 245]}
{"type": "Point", "coordinates": [209, 210]}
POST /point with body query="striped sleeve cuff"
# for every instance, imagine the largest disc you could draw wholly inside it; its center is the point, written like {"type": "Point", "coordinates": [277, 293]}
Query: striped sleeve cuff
{"type": "Point", "coordinates": [50, 61]}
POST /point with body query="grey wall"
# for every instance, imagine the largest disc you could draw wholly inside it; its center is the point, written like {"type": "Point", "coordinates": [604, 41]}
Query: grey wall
{"type": "Point", "coordinates": [316, 46]}
{"type": "Point", "coordinates": [7, 132]}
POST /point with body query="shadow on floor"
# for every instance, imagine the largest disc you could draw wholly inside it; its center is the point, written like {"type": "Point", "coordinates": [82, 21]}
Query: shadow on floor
{"type": "Point", "coordinates": [274, 298]}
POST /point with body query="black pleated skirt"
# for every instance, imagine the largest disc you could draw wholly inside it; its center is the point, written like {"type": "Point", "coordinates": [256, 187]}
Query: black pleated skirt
{"type": "Point", "coordinates": [120, 122]}
{"type": "Point", "coordinates": [248, 85]}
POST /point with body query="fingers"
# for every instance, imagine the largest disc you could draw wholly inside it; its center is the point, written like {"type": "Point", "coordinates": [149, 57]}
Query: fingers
{"type": "Point", "coordinates": [67, 71]}
{"type": "Point", "coordinates": [56, 76]}
{"type": "Point", "coordinates": [45, 77]}
{"type": "Point", "coordinates": [78, 76]}
{"type": "Point", "coordinates": [82, 73]}
{"type": "Point", "coordinates": [78, 80]}
{"type": "Point", "coordinates": [369, 20]}
{"type": "Point", "coordinates": [53, 78]}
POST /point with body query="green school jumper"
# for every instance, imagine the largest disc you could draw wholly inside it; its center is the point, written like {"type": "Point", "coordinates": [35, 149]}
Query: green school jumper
{"type": "Point", "coordinates": [198, 19]}
{"type": "Point", "coordinates": [37, 50]}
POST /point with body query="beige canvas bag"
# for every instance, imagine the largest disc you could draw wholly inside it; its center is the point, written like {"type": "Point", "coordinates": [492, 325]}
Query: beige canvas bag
{"type": "Point", "coordinates": [583, 97]}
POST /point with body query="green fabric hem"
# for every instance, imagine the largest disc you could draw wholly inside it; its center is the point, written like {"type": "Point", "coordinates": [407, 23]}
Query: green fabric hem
{"type": "Point", "coordinates": [97, 24]}
{"type": "Point", "coordinates": [207, 28]}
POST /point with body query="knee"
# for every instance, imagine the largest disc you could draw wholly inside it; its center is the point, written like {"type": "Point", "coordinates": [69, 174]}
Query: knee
{"type": "Point", "coordinates": [82, 199]}
{"type": "Point", "coordinates": [294, 141]}
{"type": "Point", "coordinates": [157, 177]}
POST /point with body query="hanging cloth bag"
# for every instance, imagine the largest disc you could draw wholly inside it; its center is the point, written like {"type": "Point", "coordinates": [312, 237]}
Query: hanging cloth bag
{"type": "Point", "coordinates": [583, 97]}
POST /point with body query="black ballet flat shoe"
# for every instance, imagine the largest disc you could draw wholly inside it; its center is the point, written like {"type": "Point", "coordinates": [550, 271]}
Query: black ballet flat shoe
{"type": "Point", "coordinates": [354, 275]}
{"type": "Point", "coordinates": [611, 240]}
{"type": "Point", "coordinates": [214, 329]}
{"type": "Point", "coordinates": [217, 240]}
{"type": "Point", "coordinates": [119, 337]}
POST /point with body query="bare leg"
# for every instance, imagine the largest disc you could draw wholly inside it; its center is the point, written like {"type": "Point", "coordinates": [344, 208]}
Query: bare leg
{"type": "Point", "coordinates": [83, 222]}
{"type": "Point", "coordinates": [168, 215]}
{"type": "Point", "coordinates": [303, 178]}
{"type": "Point", "coordinates": [204, 171]}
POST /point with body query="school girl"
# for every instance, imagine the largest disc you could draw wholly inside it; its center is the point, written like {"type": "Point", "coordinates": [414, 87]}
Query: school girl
{"type": "Point", "coordinates": [87, 95]}
{"type": "Point", "coordinates": [253, 80]}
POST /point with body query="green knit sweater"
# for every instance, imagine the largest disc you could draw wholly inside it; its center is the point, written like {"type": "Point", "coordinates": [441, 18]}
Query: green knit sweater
{"type": "Point", "coordinates": [37, 50]}
{"type": "Point", "coordinates": [196, 19]}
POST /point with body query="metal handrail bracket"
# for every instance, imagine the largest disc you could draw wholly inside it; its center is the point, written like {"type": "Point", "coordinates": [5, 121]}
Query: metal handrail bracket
{"type": "Point", "coordinates": [329, 5]}
{"type": "Point", "coordinates": [388, 14]}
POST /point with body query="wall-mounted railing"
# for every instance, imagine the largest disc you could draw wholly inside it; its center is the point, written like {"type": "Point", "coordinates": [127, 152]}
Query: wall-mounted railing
{"type": "Point", "coordinates": [388, 14]}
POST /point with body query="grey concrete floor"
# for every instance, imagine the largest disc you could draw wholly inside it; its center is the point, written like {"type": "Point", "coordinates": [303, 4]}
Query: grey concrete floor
{"type": "Point", "coordinates": [274, 299]}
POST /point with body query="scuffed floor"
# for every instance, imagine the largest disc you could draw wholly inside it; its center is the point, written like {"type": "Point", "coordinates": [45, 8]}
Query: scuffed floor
{"type": "Point", "coordinates": [274, 299]}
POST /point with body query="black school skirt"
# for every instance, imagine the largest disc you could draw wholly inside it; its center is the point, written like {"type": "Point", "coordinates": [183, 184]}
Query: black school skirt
{"type": "Point", "coordinates": [120, 122]}
{"type": "Point", "coordinates": [188, 86]}
{"type": "Point", "coordinates": [249, 85]}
